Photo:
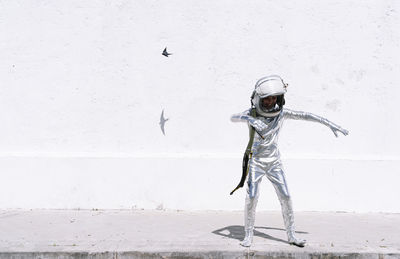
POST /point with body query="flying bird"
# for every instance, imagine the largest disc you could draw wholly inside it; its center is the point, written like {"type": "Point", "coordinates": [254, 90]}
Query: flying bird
{"type": "Point", "coordinates": [165, 52]}
{"type": "Point", "coordinates": [162, 122]}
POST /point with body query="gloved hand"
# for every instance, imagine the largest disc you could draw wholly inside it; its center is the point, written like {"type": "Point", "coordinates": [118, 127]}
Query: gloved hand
{"type": "Point", "coordinates": [337, 129]}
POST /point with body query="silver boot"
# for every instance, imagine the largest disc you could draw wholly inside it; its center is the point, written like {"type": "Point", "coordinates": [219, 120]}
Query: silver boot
{"type": "Point", "coordinates": [288, 218]}
{"type": "Point", "coordinates": [248, 239]}
{"type": "Point", "coordinates": [250, 214]}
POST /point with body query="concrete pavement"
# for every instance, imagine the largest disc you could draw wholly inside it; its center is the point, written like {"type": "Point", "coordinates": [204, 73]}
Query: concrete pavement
{"type": "Point", "coordinates": [199, 234]}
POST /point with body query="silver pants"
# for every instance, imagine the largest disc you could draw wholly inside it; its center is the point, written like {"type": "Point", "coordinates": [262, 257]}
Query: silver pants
{"type": "Point", "coordinates": [274, 172]}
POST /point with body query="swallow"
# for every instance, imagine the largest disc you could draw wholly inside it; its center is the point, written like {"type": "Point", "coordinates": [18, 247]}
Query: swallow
{"type": "Point", "coordinates": [165, 52]}
{"type": "Point", "coordinates": [162, 122]}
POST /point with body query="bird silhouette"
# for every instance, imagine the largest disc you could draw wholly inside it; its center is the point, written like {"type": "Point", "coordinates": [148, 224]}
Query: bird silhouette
{"type": "Point", "coordinates": [165, 52]}
{"type": "Point", "coordinates": [162, 122]}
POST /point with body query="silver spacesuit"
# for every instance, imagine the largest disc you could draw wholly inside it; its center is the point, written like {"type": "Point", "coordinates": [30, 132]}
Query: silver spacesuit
{"type": "Point", "coordinates": [265, 157]}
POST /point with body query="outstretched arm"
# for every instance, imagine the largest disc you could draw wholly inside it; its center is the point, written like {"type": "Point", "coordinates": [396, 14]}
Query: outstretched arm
{"type": "Point", "coordinates": [298, 115]}
{"type": "Point", "coordinates": [245, 116]}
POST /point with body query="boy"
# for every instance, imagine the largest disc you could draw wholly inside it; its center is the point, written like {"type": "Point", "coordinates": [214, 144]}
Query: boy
{"type": "Point", "coordinates": [265, 118]}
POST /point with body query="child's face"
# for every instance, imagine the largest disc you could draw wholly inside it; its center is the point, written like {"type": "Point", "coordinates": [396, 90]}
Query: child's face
{"type": "Point", "coordinates": [269, 102]}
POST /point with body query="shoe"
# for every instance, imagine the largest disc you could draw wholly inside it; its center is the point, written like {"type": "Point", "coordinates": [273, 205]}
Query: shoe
{"type": "Point", "coordinates": [248, 239]}
{"type": "Point", "coordinates": [297, 242]}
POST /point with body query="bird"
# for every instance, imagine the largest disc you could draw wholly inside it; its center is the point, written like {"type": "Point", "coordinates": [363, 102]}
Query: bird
{"type": "Point", "coordinates": [165, 52]}
{"type": "Point", "coordinates": [162, 122]}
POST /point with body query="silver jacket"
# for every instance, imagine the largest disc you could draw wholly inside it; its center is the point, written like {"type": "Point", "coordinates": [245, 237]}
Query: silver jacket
{"type": "Point", "coordinates": [265, 144]}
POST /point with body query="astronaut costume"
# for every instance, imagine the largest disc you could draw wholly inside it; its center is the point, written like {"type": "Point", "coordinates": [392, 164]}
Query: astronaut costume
{"type": "Point", "coordinates": [264, 159]}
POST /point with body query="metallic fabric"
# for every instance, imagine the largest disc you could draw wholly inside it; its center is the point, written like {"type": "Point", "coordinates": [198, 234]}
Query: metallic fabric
{"type": "Point", "coordinates": [288, 219]}
{"type": "Point", "coordinates": [265, 161]}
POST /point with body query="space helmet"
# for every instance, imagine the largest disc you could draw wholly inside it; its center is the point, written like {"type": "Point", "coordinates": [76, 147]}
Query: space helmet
{"type": "Point", "coordinates": [269, 86]}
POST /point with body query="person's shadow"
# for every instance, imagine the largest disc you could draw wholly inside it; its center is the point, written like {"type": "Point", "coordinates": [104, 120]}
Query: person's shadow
{"type": "Point", "coordinates": [237, 232]}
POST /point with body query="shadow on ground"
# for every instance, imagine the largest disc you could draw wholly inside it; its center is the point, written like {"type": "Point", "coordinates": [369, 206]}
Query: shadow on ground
{"type": "Point", "coordinates": [237, 232]}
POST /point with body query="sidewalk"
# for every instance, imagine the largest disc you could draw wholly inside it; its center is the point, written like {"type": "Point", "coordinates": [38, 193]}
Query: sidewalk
{"type": "Point", "coordinates": [205, 234]}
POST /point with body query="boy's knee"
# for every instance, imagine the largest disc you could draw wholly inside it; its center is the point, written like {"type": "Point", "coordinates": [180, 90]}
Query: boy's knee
{"type": "Point", "coordinates": [284, 197]}
{"type": "Point", "coordinates": [252, 190]}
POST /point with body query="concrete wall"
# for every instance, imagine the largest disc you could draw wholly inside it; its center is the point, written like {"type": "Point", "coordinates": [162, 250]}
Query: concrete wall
{"type": "Point", "coordinates": [83, 84]}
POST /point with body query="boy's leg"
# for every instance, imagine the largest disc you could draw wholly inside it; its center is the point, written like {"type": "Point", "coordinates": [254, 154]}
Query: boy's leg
{"type": "Point", "coordinates": [288, 218]}
{"type": "Point", "coordinates": [250, 210]}
{"type": "Point", "coordinates": [277, 176]}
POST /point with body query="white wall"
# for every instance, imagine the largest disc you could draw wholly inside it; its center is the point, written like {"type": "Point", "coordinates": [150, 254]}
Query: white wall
{"type": "Point", "coordinates": [83, 83]}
